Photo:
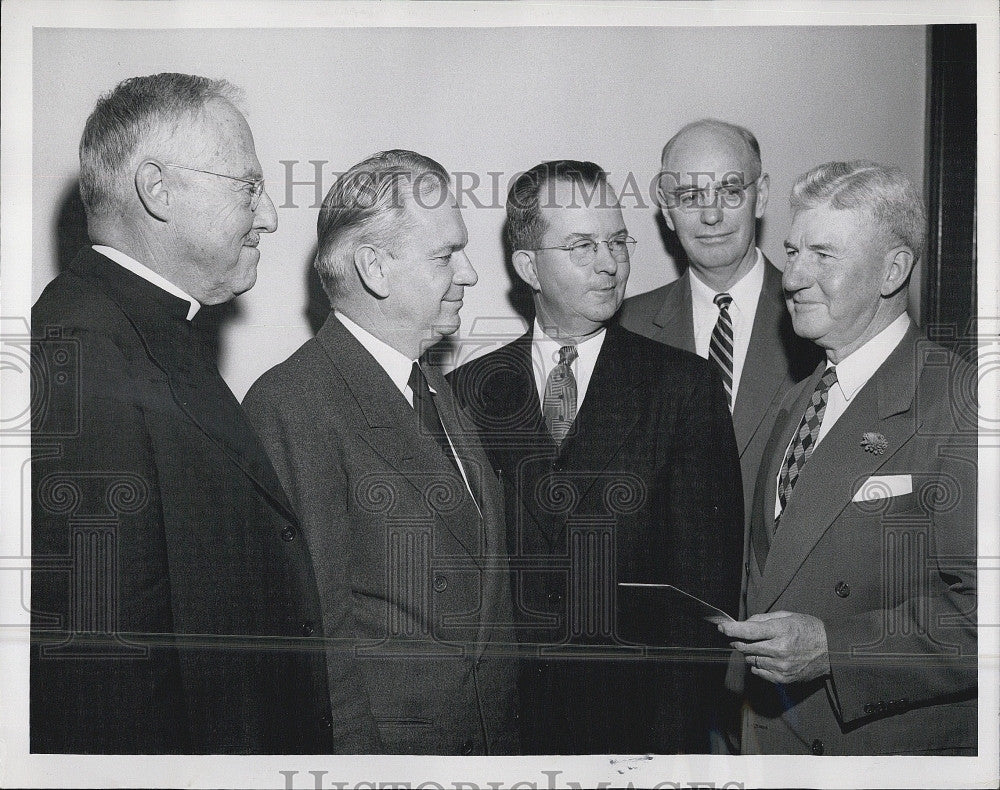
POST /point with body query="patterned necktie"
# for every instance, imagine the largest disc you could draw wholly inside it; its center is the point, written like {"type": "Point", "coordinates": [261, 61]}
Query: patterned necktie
{"type": "Point", "coordinates": [430, 420]}
{"type": "Point", "coordinates": [720, 348]}
{"type": "Point", "coordinates": [804, 443]}
{"type": "Point", "coordinates": [559, 402]}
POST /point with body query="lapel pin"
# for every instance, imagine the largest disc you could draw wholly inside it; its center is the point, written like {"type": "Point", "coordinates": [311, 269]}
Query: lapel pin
{"type": "Point", "coordinates": [874, 443]}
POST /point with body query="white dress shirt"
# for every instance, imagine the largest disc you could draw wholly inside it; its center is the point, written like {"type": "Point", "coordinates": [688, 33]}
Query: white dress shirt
{"type": "Point", "coordinates": [853, 372]}
{"type": "Point", "coordinates": [742, 311]}
{"type": "Point", "coordinates": [397, 367]}
{"type": "Point", "coordinates": [127, 262]}
{"type": "Point", "coordinates": [545, 356]}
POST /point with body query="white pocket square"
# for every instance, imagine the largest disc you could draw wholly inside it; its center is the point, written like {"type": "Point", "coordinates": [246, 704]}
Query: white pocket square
{"type": "Point", "coordinates": [883, 487]}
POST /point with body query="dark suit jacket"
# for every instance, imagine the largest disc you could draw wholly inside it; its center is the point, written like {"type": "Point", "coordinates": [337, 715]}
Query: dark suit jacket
{"type": "Point", "coordinates": [893, 580]}
{"type": "Point", "coordinates": [776, 358]}
{"type": "Point", "coordinates": [645, 488]}
{"type": "Point", "coordinates": [413, 580]}
{"type": "Point", "coordinates": [171, 587]}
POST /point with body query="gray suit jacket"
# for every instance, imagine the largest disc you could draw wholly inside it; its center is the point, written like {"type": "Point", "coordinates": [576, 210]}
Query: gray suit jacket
{"type": "Point", "coordinates": [412, 574]}
{"type": "Point", "coordinates": [776, 358]}
{"type": "Point", "coordinates": [893, 579]}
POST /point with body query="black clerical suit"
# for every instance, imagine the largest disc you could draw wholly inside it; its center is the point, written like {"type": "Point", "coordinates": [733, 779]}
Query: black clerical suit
{"type": "Point", "coordinates": [174, 608]}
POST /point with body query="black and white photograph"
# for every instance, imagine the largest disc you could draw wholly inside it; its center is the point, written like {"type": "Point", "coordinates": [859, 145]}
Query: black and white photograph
{"type": "Point", "coordinates": [500, 395]}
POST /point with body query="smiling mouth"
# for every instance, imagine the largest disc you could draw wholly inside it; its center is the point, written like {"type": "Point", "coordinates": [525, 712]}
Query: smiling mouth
{"type": "Point", "coordinates": [715, 237]}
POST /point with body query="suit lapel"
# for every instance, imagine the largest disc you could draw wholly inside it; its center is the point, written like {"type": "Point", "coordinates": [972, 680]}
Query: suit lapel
{"type": "Point", "coordinates": [766, 489]}
{"type": "Point", "coordinates": [758, 384]}
{"type": "Point", "coordinates": [839, 466]}
{"type": "Point", "coordinates": [391, 429]}
{"type": "Point", "coordinates": [606, 418]}
{"type": "Point", "coordinates": [489, 498]}
{"type": "Point", "coordinates": [675, 318]}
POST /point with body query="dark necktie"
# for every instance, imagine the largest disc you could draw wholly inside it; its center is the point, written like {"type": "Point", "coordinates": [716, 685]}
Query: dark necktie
{"type": "Point", "coordinates": [559, 402]}
{"type": "Point", "coordinates": [720, 348]}
{"type": "Point", "coordinates": [804, 442]}
{"type": "Point", "coordinates": [427, 414]}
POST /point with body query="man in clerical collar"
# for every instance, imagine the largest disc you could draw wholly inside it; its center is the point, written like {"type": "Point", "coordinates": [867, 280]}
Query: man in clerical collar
{"type": "Point", "coordinates": [174, 608]}
{"type": "Point", "coordinates": [861, 592]}
{"type": "Point", "coordinates": [620, 468]}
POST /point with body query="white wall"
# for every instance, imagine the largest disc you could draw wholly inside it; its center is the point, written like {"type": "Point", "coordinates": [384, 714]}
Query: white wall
{"type": "Point", "coordinates": [482, 100]}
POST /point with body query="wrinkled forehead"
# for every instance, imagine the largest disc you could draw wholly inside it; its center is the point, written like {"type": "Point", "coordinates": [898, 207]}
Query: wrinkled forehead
{"type": "Point", "coordinates": [219, 136]}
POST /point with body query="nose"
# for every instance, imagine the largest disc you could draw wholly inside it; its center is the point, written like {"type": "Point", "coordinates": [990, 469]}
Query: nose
{"type": "Point", "coordinates": [711, 214]}
{"type": "Point", "coordinates": [464, 273]}
{"type": "Point", "coordinates": [265, 218]}
{"type": "Point", "coordinates": [795, 276]}
{"type": "Point", "coordinates": [605, 261]}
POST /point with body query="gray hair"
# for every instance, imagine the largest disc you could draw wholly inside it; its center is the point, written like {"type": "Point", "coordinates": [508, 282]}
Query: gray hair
{"type": "Point", "coordinates": [138, 111]}
{"type": "Point", "coordinates": [881, 192]}
{"type": "Point", "coordinates": [365, 206]}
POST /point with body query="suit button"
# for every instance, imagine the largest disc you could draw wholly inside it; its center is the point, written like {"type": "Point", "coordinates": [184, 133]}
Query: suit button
{"type": "Point", "coordinates": [554, 597]}
{"type": "Point", "coordinates": [440, 584]}
{"type": "Point", "coordinates": [308, 628]}
{"type": "Point", "coordinates": [869, 709]}
{"type": "Point", "coordinates": [468, 746]}
{"type": "Point", "coordinates": [817, 747]}
{"type": "Point", "coordinates": [326, 721]}
{"type": "Point", "coordinates": [288, 533]}
{"type": "Point", "coordinates": [843, 589]}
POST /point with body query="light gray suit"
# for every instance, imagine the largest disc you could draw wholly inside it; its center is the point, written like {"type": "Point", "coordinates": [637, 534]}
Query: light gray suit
{"type": "Point", "coordinates": [412, 575]}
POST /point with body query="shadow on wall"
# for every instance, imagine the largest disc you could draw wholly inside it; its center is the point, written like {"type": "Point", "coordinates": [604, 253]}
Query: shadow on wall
{"type": "Point", "coordinates": [71, 236]}
{"type": "Point", "coordinates": [317, 303]}
{"type": "Point", "coordinates": [71, 226]}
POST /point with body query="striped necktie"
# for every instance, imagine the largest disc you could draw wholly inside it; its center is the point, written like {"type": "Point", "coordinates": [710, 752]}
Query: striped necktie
{"type": "Point", "coordinates": [804, 442]}
{"type": "Point", "coordinates": [559, 401]}
{"type": "Point", "coordinates": [720, 348]}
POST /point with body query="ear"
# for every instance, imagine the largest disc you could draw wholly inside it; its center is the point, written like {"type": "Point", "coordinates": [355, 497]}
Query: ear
{"type": "Point", "coordinates": [152, 190]}
{"type": "Point", "coordinates": [763, 190]}
{"type": "Point", "coordinates": [370, 264]}
{"type": "Point", "coordinates": [899, 263]}
{"type": "Point", "coordinates": [524, 265]}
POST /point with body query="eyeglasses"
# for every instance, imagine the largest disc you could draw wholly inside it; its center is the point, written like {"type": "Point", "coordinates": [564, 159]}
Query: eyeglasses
{"type": "Point", "coordinates": [256, 184]}
{"type": "Point", "coordinates": [725, 195]}
{"type": "Point", "coordinates": [585, 251]}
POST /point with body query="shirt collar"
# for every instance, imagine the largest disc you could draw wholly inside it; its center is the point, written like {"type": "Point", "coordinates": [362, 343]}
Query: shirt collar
{"type": "Point", "coordinates": [744, 292]}
{"type": "Point", "coordinates": [854, 371]}
{"type": "Point", "coordinates": [147, 274]}
{"type": "Point", "coordinates": [396, 364]}
{"type": "Point", "coordinates": [548, 348]}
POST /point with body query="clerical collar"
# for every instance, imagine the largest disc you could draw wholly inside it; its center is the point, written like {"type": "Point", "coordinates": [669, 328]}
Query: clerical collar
{"type": "Point", "coordinates": [147, 274]}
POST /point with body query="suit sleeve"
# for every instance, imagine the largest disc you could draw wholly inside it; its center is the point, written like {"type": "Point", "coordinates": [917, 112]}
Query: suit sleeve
{"type": "Point", "coordinates": [923, 649]}
{"type": "Point", "coordinates": [99, 578]}
{"type": "Point", "coordinates": [704, 512]}
{"type": "Point", "coordinates": [308, 463]}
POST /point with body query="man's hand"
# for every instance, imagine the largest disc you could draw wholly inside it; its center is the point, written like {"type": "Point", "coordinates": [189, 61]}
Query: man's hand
{"type": "Point", "coordinates": [782, 647]}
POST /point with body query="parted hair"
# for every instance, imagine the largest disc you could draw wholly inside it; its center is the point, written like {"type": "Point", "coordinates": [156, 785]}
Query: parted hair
{"type": "Point", "coordinates": [525, 225]}
{"type": "Point", "coordinates": [129, 120]}
{"type": "Point", "coordinates": [367, 205]}
{"type": "Point", "coordinates": [881, 192]}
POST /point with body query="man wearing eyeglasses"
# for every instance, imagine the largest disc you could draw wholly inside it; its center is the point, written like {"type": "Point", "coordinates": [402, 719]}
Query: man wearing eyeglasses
{"type": "Point", "coordinates": [619, 466]}
{"type": "Point", "coordinates": [173, 603]}
{"type": "Point", "coordinates": [727, 305]}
